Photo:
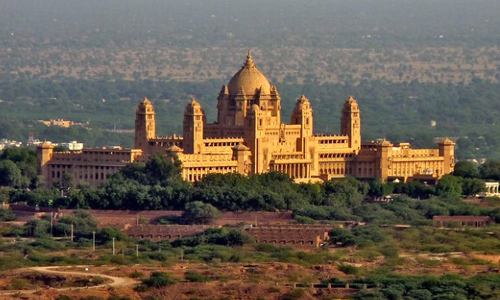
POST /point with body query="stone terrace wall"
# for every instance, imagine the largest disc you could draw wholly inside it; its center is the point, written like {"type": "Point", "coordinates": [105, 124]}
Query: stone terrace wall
{"type": "Point", "coordinates": [265, 217]}
{"type": "Point", "coordinates": [158, 233]}
{"type": "Point", "coordinates": [297, 235]}
{"type": "Point", "coordinates": [123, 219]}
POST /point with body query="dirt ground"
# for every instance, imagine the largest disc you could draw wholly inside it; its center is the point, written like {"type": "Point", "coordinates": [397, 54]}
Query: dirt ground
{"type": "Point", "coordinates": [255, 281]}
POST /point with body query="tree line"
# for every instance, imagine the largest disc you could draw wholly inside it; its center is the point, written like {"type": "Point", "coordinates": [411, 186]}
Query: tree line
{"type": "Point", "coordinates": [157, 185]}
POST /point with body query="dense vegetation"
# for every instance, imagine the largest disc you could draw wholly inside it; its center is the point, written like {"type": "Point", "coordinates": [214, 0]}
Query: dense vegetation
{"type": "Point", "coordinates": [157, 185]}
{"type": "Point", "coordinates": [454, 287]}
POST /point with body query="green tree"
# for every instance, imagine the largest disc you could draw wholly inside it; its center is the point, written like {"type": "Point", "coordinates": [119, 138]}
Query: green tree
{"type": "Point", "coordinates": [490, 169]}
{"type": "Point", "coordinates": [83, 224]}
{"type": "Point", "coordinates": [37, 228]}
{"type": "Point", "coordinates": [6, 215]}
{"type": "Point", "coordinates": [473, 186]}
{"type": "Point", "coordinates": [10, 174]}
{"type": "Point", "coordinates": [466, 169]}
{"type": "Point", "coordinates": [162, 169]}
{"type": "Point", "coordinates": [198, 212]}
{"type": "Point", "coordinates": [342, 237]}
{"type": "Point", "coordinates": [449, 186]}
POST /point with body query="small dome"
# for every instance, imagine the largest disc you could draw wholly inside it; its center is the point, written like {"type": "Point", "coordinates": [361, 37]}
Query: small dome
{"type": "Point", "coordinates": [174, 148]}
{"type": "Point", "coordinates": [446, 141]}
{"type": "Point", "coordinates": [46, 145]}
{"type": "Point", "coordinates": [250, 79]}
{"type": "Point", "coordinates": [240, 147]}
{"type": "Point", "coordinates": [386, 143]}
{"type": "Point", "coordinates": [193, 107]}
{"type": "Point", "coordinates": [303, 103]}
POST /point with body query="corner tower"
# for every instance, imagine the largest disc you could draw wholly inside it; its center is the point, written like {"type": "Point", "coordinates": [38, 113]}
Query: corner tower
{"type": "Point", "coordinates": [194, 119]}
{"type": "Point", "coordinates": [350, 123]}
{"type": "Point", "coordinates": [145, 124]}
{"type": "Point", "coordinates": [447, 151]}
{"type": "Point", "coordinates": [302, 114]}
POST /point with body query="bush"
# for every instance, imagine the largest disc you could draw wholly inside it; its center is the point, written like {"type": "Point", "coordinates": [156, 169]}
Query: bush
{"type": "Point", "coordinates": [159, 279]}
{"type": "Point", "coordinates": [136, 274]}
{"type": "Point", "coordinates": [47, 243]}
{"type": "Point", "coordinates": [198, 212]}
{"type": "Point", "coordinates": [294, 295]}
{"type": "Point", "coordinates": [349, 269]}
{"type": "Point", "coordinates": [20, 283]}
{"type": "Point", "coordinates": [194, 276]}
{"type": "Point", "coordinates": [304, 220]}
{"type": "Point", "coordinates": [159, 256]}
{"type": "Point", "coordinates": [6, 215]}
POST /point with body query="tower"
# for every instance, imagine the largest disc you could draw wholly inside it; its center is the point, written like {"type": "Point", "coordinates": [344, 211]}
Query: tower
{"type": "Point", "coordinates": [194, 120]}
{"type": "Point", "coordinates": [447, 151]}
{"type": "Point", "coordinates": [254, 134]}
{"type": "Point", "coordinates": [145, 126]}
{"type": "Point", "coordinates": [350, 123]}
{"type": "Point", "coordinates": [45, 151]}
{"type": "Point", "coordinates": [302, 114]}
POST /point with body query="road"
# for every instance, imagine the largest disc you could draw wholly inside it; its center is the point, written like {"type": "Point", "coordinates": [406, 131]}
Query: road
{"type": "Point", "coordinates": [115, 281]}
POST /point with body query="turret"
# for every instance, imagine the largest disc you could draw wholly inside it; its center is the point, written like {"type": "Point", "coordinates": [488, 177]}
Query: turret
{"type": "Point", "coordinates": [145, 124]}
{"type": "Point", "coordinates": [45, 151]}
{"type": "Point", "coordinates": [253, 138]}
{"type": "Point", "coordinates": [447, 151]}
{"type": "Point", "coordinates": [194, 119]}
{"type": "Point", "coordinates": [240, 107]}
{"type": "Point", "coordinates": [302, 114]}
{"type": "Point", "coordinates": [222, 105]}
{"type": "Point", "coordinates": [350, 123]}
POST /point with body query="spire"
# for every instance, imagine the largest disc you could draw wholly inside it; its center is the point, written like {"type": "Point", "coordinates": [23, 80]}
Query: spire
{"type": "Point", "coordinates": [194, 102]}
{"type": "Point", "coordinates": [224, 91]}
{"type": "Point", "coordinates": [249, 62]}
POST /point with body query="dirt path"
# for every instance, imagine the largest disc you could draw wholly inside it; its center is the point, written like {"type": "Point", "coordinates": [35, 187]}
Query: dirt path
{"type": "Point", "coordinates": [115, 281]}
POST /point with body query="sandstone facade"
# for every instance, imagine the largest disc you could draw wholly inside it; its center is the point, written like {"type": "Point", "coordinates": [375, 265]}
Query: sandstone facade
{"type": "Point", "coordinates": [249, 137]}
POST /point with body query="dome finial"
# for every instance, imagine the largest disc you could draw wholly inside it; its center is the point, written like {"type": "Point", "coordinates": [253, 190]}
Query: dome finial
{"type": "Point", "coordinates": [249, 62]}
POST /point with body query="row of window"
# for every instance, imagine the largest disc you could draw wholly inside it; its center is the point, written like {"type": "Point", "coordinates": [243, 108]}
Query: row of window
{"type": "Point", "coordinates": [97, 176]}
{"type": "Point", "coordinates": [332, 141]}
{"type": "Point", "coordinates": [80, 167]}
{"type": "Point", "coordinates": [336, 155]}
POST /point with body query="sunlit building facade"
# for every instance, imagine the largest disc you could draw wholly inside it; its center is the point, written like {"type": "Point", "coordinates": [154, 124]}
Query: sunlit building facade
{"type": "Point", "coordinates": [249, 137]}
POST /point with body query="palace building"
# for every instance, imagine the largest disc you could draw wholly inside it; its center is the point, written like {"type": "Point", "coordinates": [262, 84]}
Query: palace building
{"type": "Point", "coordinates": [249, 137]}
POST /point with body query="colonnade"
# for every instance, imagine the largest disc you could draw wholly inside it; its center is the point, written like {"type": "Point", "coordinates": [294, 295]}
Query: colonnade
{"type": "Point", "coordinates": [299, 170]}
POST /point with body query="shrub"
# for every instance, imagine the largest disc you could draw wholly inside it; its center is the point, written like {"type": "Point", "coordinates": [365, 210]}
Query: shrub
{"type": "Point", "coordinates": [6, 215]}
{"type": "Point", "coordinates": [136, 274]}
{"type": "Point", "coordinates": [294, 295]}
{"type": "Point", "coordinates": [47, 243]}
{"type": "Point", "coordinates": [20, 283]}
{"type": "Point", "coordinates": [159, 256]}
{"type": "Point", "coordinates": [304, 220]}
{"type": "Point", "coordinates": [198, 212]}
{"type": "Point", "coordinates": [194, 276]}
{"type": "Point", "coordinates": [159, 279]}
{"type": "Point", "coordinates": [349, 269]}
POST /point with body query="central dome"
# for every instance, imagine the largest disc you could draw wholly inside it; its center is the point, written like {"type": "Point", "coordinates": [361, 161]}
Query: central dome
{"type": "Point", "coordinates": [250, 79]}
